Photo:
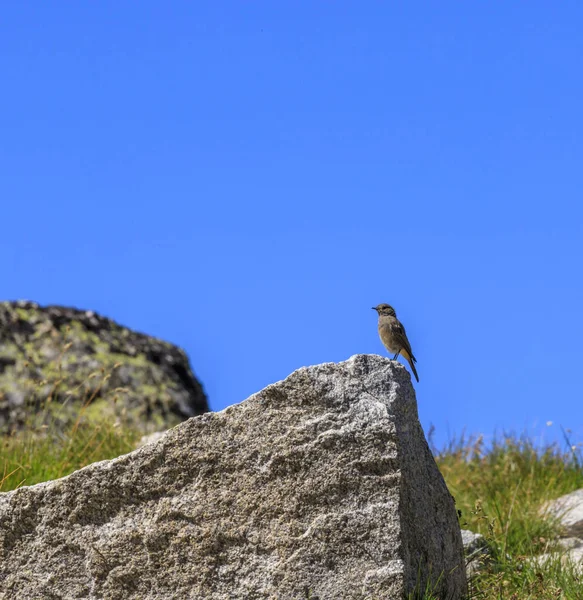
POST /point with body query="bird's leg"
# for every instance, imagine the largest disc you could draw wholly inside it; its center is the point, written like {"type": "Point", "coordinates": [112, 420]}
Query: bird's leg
{"type": "Point", "coordinates": [396, 355]}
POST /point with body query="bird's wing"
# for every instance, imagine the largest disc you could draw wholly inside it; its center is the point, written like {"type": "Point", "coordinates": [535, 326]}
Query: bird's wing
{"type": "Point", "coordinates": [400, 338]}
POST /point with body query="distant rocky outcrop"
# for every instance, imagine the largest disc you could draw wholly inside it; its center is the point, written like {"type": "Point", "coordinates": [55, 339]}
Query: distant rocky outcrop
{"type": "Point", "coordinates": [53, 359]}
{"type": "Point", "coordinates": [320, 486]}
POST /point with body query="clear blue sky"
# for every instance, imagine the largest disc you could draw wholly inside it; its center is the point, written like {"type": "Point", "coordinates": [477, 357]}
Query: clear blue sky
{"type": "Point", "coordinates": [246, 179]}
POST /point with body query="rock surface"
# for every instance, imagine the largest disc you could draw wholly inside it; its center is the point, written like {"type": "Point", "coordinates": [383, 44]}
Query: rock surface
{"type": "Point", "coordinates": [571, 558]}
{"type": "Point", "coordinates": [68, 357]}
{"type": "Point", "coordinates": [476, 551]}
{"type": "Point", "coordinates": [320, 486]}
{"type": "Point", "coordinates": [472, 542]}
{"type": "Point", "coordinates": [569, 510]}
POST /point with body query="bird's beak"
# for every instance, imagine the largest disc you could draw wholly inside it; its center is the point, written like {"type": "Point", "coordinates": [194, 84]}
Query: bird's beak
{"type": "Point", "coordinates": [374, 307]}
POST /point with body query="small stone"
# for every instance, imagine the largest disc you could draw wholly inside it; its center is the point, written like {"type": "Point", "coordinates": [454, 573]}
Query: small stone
{"type": "Point", "coordinates": [476, 551]}
{"type": "Point", "coordinates": [473, 542]}
{"type": "Point", "coordinates": [569, 510]}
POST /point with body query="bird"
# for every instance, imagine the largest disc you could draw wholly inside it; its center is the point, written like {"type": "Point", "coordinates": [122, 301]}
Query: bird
{"type": "Point", "coordinates": [393, 336]}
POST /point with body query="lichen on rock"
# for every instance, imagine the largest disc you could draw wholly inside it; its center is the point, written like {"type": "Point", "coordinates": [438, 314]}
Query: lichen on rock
{"type": "Point", "coordinates": [55, 359]}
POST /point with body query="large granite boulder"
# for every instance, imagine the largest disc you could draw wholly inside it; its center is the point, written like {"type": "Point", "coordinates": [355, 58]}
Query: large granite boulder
{"type": "Point", "coordinates": [320, 486]}
{"type": "Point", "coordinates": [53, 359]}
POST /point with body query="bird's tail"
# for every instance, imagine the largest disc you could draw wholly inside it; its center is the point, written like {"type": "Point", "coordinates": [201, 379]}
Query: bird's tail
{"type": "Point", "coordinates": [411, 360]}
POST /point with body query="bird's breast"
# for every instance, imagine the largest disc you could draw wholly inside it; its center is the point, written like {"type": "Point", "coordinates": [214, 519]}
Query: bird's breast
{"type": "Point", "coordinates": [386, 335]}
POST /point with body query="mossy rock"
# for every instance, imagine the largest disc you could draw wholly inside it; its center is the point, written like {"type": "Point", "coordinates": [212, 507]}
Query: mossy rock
{"type": "Point", "coordinates": [57, 363]}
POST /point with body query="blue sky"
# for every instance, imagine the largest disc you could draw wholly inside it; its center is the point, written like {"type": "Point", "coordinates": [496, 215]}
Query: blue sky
{"type": "Point", "coordinates": [246, 179]}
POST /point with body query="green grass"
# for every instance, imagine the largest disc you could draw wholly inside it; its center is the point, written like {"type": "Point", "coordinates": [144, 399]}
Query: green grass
{"type": "Point", "coordinates": [26, 458]}
{"type": "Point", "coordinates": [499, 490]}
{"type": "Point", "coordinates": [60, 437]}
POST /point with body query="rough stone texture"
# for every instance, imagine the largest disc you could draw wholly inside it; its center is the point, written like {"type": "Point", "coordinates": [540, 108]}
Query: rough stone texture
{"type": "Point", "coordinates": [56, 353]}
{"type": "Point", "coordinates": [319, 486]}
{"type": "Point", "coordinates": [569, 510]}
{"type": "Point", "coordinates": [150, 438]}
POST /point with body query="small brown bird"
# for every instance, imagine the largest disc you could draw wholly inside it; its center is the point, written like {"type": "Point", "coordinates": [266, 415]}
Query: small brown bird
{"type": "Point", "coordinates": [393, 335]}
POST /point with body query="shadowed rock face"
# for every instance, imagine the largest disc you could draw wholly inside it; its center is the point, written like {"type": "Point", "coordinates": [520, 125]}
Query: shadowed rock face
{"type": "Point", "coordinates": [71, 356]}
{"type": "Point", "coordinates": [319, 486]}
